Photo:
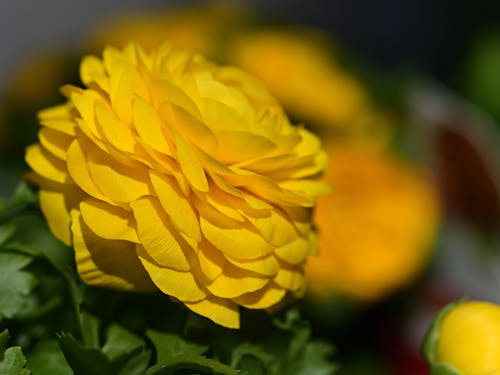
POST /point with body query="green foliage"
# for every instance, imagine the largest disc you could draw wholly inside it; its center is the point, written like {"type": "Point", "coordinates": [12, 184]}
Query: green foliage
{"type": "Point", "coordinates": [65, 327]}
{"type": "Point", "coordinates": [12, 361]}
{"type": "Point", "coordinates": [480, 76]}
{"type": "Point", "coordinates": [47, 358]}
{"type": "Point", "coordinates": [15, 284]}
{"type": "Point", "coordinates": [169, 346]}
{"type": "Point", "coordinates": [442, 370]}
{"type": "Point", "coordinates": [304, 356]}
{"type": "Point", "coordinates": [21, 198]}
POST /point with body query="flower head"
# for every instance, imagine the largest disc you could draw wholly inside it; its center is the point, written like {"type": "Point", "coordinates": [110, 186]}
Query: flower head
{"type": "Point", "coordinates": [375, 230]}
{"type": "Point", "coordinates": [465, 339]}
{"type": "Point", "coordinates": [167, 171]}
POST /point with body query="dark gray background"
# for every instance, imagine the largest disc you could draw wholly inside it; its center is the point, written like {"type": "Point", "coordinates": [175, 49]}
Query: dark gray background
{"type": "Point", "coordinates": [432, 34]}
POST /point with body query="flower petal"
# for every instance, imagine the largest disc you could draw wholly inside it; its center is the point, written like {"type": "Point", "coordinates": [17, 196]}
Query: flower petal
{"type": "Point", "coordinates": [178, 284]}
{"type": "Point", "coordinates": [264, 298]}
{"type": "Point", "coordinates": [116, 132]}
{"type": "Point", "coordinates": [275, 228]}
{"type": "Point", "coordinates": [124, 83]}
{"type": "Point", "coordinates": [292, 280]}
{"type": "Point", "coordinates": [188, 126]}
{"type": "Point", "coordinates": [167, 90]}
{"type": "Point", "coordinates": [58, 118]}
{"type": "Point", "coordinates": [176, 205]}
{"type": "Point", "coordinates": [295, 252]}
{"type": "Point", "coordinates": [239, 243]}
{"type": "Point", "coordinates": [55, 142]}
{"type": "Point", "coordinates": [220, 117]}
{"type": "Point", "coordinates": [77, 169]}
{"type": "Point", "coordinates": [117, 181]}
{"type": "Point", "coordinates": [158, 236]}
{"type": "Point", "coordinates": [312, 188]}
{"type": "Point", "coordinates": [218, 310]}
{"type": "Point", "coordinates": [45, 164]}
{"type": "Point", "coordinates": [234, 146]}
{"type": "Point", "coordinates": [267, 266]}
{"type": "Point", "coordinates": [190, 164]}
{"type": "Point", "coordinates": [234, 281]}
{"type": "Point", "coordinates": [56, 203]}
{"type": "Point", "coordinates": [211, 260]}
{"type": "Point", "coordinates": [85, 103]}
{"type": "Point", "coordinates": [108, 263]}
{"type": "Point", "coordinates": [107, 221]}
{"type": "Point", "coordinates": [149, 125]}
{"type": "Point", "coordinates": [92, 71]}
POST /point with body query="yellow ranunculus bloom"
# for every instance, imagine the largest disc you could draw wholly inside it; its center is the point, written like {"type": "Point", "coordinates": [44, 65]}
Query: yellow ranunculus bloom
{"type": "Point", "coordinates": [375, 229]}
{"type": "Point", "coordinates": [468, 339]}
{"type": "Point", "coordinates": [169, 171]}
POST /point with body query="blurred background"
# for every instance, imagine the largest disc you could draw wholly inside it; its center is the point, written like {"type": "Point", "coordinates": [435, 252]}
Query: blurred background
{"type": "Point", "coordinates": [406, 99]}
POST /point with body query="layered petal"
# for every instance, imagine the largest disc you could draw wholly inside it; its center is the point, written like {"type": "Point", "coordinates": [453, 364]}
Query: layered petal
{"type": "Point", "coordinates": [108, 263]}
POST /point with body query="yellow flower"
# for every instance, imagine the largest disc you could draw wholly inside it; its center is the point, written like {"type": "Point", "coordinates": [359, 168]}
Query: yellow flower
{"type": "Point", "coordinates": [375, 229]}
{"type": "Point", "coordinates": [169, 171]}
{"type": "Point", "coordinates": [466, 338]}
{"type": "Point", "coordinates": [297, 67]}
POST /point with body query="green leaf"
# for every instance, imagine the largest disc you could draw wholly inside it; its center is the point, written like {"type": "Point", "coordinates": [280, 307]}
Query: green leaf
{"type": "Point", "coordinates": [251, 358]}
{"type": "Point", "coordinates": [13, 362]}
{"type": "Point", "coordinates": [90, 330]}
{"type": "Point", "coordinates": [4, 338]}
{"type": "Point", "coordinates": [170, 346]}
{"type": "Point", "coordinates": [34, 236]}
{"type": "Point", "coordinates": [136, 364]}
{"type": "Point", "coordinates": [120, 341]}
{"type": "Point", "coordinates": [123, 352]}
{"type": "Point", "coordinates": [194, 363]}
{"type": "Point", "coordinates": [298, 328]}
{"type": "Point", "coordinates": [315, 359]}
{"type": "Point", "coordinates": [6, 232]}
{"type": "Point", "coordinates": [22, 248]}
{"type": "Point", "coordinates": [15, 284]}
{"type": "Point", "coordinates": [46, 358]}
{"type": "Point", "coordinates": [443, 370]}
{"type": "Point", "coordinates": [303, 356]}
{"type": "Point", "coordinates": [84, 361]}
{"type": "Point", "coordinates": [21, 197]}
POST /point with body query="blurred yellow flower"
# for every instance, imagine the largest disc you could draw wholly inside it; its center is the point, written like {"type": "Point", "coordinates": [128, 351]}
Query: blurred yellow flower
{"type": "Point", "coordinates": [467, 339]}
{"type": "Point", "coordinates": [300, 71]}
{"type": "Point", "coordinates": [169, 171]}
{"type": "Point", "coordinates": [375, 229]}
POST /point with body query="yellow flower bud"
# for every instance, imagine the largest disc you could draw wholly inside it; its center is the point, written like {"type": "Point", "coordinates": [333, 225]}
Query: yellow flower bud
{"type": "Point", "coordinates": [465, 339]}
{"type": "Point", "coordinates": [469, 339]}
